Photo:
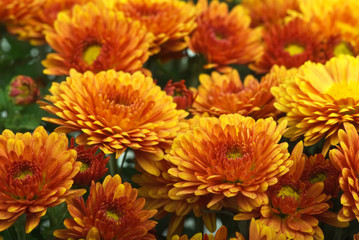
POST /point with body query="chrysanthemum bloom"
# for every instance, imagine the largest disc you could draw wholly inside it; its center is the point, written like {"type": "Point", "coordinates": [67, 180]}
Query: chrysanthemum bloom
{"type": "Point", "coordinates": [288, 45]}
{"type": "Point", "coordinates": [32, 29]}
{"type": "Point", "coordinates": [93, 37]}
{"type": "Point", "coordinates": [259, 231]}
{"type": "Point", "coordinates": [37, 172]}
{"type": "Point", "coordinates": [345, 159]}
{"type": "Point", "coordinates": [169, 20]}
{"type": "Point", "coordinates": [225, 93]}
{"type": "Point", "coordinates": [12, 11]}
{"type": "Point", "coordinates": [319, 169]}
{"type": "Point", "coordinates": [334, 18]}
{"type": "Point", "coordinates": [23, 90]}
{"type": "Point", "coordinates": [93, 165]}
{"type": "Point", "coordinates": [225, 37]}
{"type": "Point", "coordinates": [112, 211]}
{"type": "Point", "coordinates": [264, 12]}
{"type": "Point", "coordinates": [182, 96]}
{"type": "Point", "coordinates": [230, 157]}
{"type": "Point", "coordinates": [293, 205]}
{"type": "Point", "coordinates": [116, 110]}
{"type": "Point", "coordinates": [319, 99]}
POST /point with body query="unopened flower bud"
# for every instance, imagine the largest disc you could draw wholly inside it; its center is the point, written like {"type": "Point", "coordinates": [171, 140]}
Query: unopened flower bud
{"type": "Point", "coordinates": [23, 90]}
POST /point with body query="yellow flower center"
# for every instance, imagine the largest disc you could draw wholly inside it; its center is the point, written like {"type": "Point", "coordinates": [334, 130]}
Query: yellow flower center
{"type": "Point", "coordinates": [342, 48]}
{"type": "Point", "coordinates": [234, 155]}
{"type": "Point", "coordinates": [219, 36]}
{"type": "Point", "coordinates": [294, 49]}
{"type": "Point", "coordinates": [91, 54]}
{"type": "Point", "coordinates": [112, 215]}
{"type": "Point", "coordinates": [287, 191]}
{"type": "Point", "coordinates": [84, 167]}
{"type": "Point", "coordinates": [344, 89]}
{"type": "Point", "coordinates": [23, 174]}
{"type": "Point", "coordinates": [318, 178]}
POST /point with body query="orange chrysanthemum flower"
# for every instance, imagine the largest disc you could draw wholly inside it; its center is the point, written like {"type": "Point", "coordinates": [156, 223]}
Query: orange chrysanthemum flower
{"type": "Point", "coordinates": [264, 12]}
{"type": "Point", "coordinates": [230, 157]}
{"type": "Point", "coordinates": [319, 169]}
{"type": "Point", "coordinates": [116, 110]}
{"type": "Point", "coordinates": [93, 37]}
{"type": "Point", "coordinates": [293, 205]}
{"type": "Point", "coordinates": [13, 11]}
{"type": "Point", "coordinates": [112, 211]}
{"type": "Point", "coordinates": [93, 165]}
{"type": "Point", "coordinates": [345, 159]}
{"type": "Point", "coordinates": [36, 172]}
{"type": "Point", "coordinates": [224, 94]}
{"type": "Point", "coordinates": [259, 231]}
{"type": "Point", "coordinates": [289, 45]}
{"type": "Point", "coordinates": [334, 18]}
{"type": "Point", "coordinates": [32, 29]}
{"type": "Point", "coordinates": [319, 99]}
{"type": "Point", "coordinates": [169, 20]}
{"type": "Point", "coordinates": [225, 37]}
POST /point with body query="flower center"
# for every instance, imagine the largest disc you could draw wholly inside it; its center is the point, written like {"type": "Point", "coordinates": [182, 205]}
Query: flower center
{"type": "Point", "coordinates": [342, 48]}
{"type": "Point", "coordinates": [320, 177]}
{"type": "Point", "coordinates": [344, 89]}
{"type": "Point", "coordinates": [22, 170]}
{"type": "Point", "coordinates": [294, 49]}
{"type": "Point", "coordinates": [23, 174]}
{"type": "Point", "coordinates": [91, 54]}
{"type": "Point", "coordinates": [219, 36]}
{"type": "Point", "coordinates": [84, 167]}
{"type": "Point", "coordinates": [112, 215]}
{"type": "Point", "coordinates": [288, 191]}
{"type": "Point", "coordinates": [234, 155]}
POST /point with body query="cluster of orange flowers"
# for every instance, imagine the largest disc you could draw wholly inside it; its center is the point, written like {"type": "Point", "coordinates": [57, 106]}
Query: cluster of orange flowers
{"type": "Point", "coordinates": [228, 145]}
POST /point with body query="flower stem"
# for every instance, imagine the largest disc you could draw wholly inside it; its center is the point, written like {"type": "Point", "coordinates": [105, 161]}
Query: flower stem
{"type": "Point", "coordinates": [123, 159]}
{"type": "Point", "coordinates": [20, 228]}
{"type": "Point", "coordinates": [113, 167]}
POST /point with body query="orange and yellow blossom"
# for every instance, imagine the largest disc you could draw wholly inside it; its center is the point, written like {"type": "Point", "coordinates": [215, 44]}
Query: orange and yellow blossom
{"type": "Point", "coordinates": [233, 157]}
{"type": "Point", "coordinates": [293, 205]}
{"type": "Point", "coordinates": [33, 28]}
{"type": "Point", "coordinates": [116, 110]}
{"type": "Point", "coordinates": [224, 37]}
{"type": "Point", "coordinates": [319, 99]}
{"type": "Point", "coordinates": [112, 211]}
{"type": "Point", "coordinates": [225, 93]}
{"type": "Point", "coordinates": [13, 11]}
{"type": "Point", "coordinates": [289, 45]}
{"type": "Point", "coordinates": [266, 12]}
{"type": "Point", "coordinates": [335, 19]}
{"type": "Point", "coordinates": [259, 231]}
{"type": "Point", "coordinates": [170, 21]}
{"type": "Point", "coordinates": [345, 159]}
{"type": "Point", "coordinates": [36, 172]}
{"type": "Point", "coordinates": [96, 38]}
